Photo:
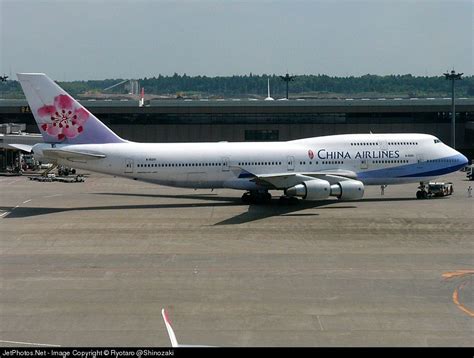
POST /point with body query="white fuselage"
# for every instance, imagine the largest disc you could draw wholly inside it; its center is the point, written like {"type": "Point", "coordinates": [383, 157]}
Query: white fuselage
{"type": "Point", "coordinates": [377, 159]}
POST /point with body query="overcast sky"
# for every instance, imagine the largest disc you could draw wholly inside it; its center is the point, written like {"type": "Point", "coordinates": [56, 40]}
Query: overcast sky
{"type": "Point", "coordinates": [99, 39]}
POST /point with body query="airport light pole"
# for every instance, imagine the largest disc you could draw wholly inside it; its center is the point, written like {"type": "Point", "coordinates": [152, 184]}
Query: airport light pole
{"type": "Point", "coordinates": [287, 78]}
{"type": "Point", "coordinates": [453, 76]}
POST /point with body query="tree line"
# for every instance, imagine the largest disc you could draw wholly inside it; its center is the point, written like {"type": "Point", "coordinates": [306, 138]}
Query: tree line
{"type": "Point", "coordinates": [256, 85]}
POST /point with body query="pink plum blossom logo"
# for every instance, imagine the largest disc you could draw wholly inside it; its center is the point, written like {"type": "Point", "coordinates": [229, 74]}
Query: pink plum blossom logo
{"type": "Point", "coordinates": [310, 154]}
{"type": "Point", "coordinates": [66, 120]}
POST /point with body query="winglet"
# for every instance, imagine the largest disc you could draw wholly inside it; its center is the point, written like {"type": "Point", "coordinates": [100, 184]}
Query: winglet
{"type": "Point", "coordinates": [172, 336]}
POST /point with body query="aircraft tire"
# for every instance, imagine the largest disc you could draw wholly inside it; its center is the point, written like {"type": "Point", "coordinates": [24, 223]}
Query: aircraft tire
{"type": "Point", "coordinates": [288, 200]}
{"type": "Point", "coordinates": [247, 198]}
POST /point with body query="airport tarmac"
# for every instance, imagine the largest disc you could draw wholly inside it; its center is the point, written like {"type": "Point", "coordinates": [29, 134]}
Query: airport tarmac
{"type": "Point", "coordinates": [93, 263]}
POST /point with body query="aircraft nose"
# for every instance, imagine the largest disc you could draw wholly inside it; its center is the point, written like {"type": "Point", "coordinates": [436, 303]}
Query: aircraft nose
{"type": "Point", "coordinates": [461, 159]}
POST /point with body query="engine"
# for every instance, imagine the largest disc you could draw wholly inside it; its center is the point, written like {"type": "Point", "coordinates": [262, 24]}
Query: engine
{"type": "Point", "coordinates": [311, 190]}
{"type": "Point", "coordinates": [348, 190]}
{"type": "Point", "coordinates": [318, 189]}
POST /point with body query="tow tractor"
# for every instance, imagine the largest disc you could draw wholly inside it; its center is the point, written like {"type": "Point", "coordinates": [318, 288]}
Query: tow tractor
{"type": "Point", "coordinates": [470, 173]}
{"type": "Point", "coordinates": [434, 189]}
{"type": "Point", "coordinates": [64, 175]}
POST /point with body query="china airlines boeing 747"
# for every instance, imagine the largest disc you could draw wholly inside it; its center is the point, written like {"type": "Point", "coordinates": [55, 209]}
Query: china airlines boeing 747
{"type": "Point", "coordinates": [312, 169]}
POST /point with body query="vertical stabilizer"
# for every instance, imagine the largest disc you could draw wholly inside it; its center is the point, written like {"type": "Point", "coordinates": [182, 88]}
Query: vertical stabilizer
{"type": "Point", "coordinates": [60, 118]}
{"type": "Point", "coordinates": [141, 103]}
{"type": "Point", "coordinates": [171, 335]}
{"type": "Point", "coordinates": [269, 98]}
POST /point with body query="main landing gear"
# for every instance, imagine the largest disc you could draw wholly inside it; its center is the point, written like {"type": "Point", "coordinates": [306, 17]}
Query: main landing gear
{"type": "Point", "coordinates": [264, 197]}
{"type": "Point", "coordinates": [256, 197]}
{"type": "Point", "coordinates": [422, 193]}
{"type": "Point", "coordinates": [288, 200]}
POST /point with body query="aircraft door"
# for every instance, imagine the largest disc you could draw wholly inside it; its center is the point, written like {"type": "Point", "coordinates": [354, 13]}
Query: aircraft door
{"type": "Point", "coordinates": [419, 160]}
{"type": "Point", "coordinates": [225, 164]}
{"type": "Point", "coordinates": [364, 164]}
{"type": "Point", "coordinates": [128, 165]}
{"type": "Point", "coordinates": [291, 163]}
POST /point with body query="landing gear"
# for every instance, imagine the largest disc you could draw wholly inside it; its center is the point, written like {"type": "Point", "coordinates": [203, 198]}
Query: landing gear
{"type": "Point", "coordinates": [246, 198]}
{"type": "Point", "coordinates": [288, 200]}
{"type": "Point", "coordinates": [256, 197]}
{"type": "Point", "coordinates": [422, 193]}
{"type": "Point", "coordinates": [264, 197]}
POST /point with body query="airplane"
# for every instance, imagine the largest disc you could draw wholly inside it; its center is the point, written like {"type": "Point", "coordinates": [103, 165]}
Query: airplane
{"type": "Point", "coordinates": [311, 169]}
{"type": "Point", "coordinates": [3, 78]}
{"type": "Point", "coordinates": [269, 97]}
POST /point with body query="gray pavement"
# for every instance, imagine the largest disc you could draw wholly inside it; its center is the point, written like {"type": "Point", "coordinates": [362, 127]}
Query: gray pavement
{"type": "Point", "coordinates": [92, 264]}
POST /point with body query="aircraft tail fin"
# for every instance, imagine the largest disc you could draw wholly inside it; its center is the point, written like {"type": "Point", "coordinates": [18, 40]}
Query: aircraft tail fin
{"type": "Point", "coordinates": [60, 118]}
{"type": "Point", "coordinates": [174, 342]}
{"type": "Point", "coordinates": [172, 336]}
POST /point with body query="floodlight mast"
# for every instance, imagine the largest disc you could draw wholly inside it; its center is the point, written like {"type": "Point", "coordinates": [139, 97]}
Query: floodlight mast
{"type": "Point", "coordinates": [287, 78]}
{"type": "Point", "coordinates": [453, 76]}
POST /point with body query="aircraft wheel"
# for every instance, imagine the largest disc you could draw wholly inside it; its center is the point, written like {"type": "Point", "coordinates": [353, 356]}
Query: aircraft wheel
{"type": "Point", "coordinates": [288, 200]}
{"type": "Point", "coordinates": [247, 198]}
{"type": "Point", "coordinates": [294, 200]}
{"type": "Point", "coordinates": [268, 197]}
{"type": "Point", "coordinates": [256, 198]}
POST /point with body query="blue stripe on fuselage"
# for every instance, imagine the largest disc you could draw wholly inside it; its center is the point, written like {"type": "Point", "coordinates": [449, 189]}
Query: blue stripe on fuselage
{"type": "Point", "coordinates": [435, 172]}
{"type": "Point", "coordinates": [424, 169]}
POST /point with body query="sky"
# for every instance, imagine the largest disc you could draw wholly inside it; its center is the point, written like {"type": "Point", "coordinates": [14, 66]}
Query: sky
{"type": "Point", "coordinates": [81, 40]}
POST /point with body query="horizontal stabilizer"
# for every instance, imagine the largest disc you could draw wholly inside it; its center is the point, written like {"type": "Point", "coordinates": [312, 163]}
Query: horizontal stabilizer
{"type": "Point", "coordinates": [71, 155]}
{"type": "Point", "coordinates": [23, 147]}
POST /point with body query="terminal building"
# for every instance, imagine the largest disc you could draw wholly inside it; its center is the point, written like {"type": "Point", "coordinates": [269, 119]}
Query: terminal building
{"type": "Point", "coordinates": [254, 120]}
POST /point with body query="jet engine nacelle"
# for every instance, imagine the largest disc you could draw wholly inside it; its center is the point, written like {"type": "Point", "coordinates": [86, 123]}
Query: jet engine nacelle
{"type": "Point", "coordinates": [316, 189]}
{"type": "Point", "coordinates": [348, 190]}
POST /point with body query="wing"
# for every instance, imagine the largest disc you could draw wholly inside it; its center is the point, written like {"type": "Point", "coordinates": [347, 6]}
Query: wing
{"type": "Point", "coordinates": [72, 155]}
{"type": "Point", "coordinates": [289, 179]}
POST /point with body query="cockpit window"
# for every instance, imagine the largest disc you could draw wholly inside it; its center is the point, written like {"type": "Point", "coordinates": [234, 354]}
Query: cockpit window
{"type": "Point", "coordinates": [437, 141]}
